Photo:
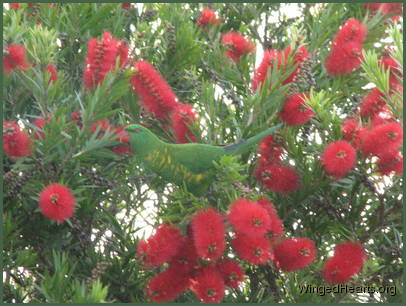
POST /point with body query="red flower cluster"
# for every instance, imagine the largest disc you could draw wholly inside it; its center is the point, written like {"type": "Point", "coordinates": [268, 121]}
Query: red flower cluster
{"type": "Point", "coordinates": [161, 247]}
{"type": "Point", "coordinates": [276, 227]}
{"type": "Point", "coordinates": [346, 51]}
{"type": "Point", "coordinates": [237, 44]}
{"type": "Point", "coordinates": [352, 130]}
{"type": "Point", "coordinates": [209, 234]}
{"type": "Point", "coordinates": [14, 57]}
{"type": "Point", "coordinates": [208, 17]}
{"type": "Point", "coordinates": [293, 254]}
{"type": "Point", "coordinates": [56, 202]}
{"type": "Point", "coordinates": [386, 8]}
{"type": "Point", "coordinates": [271, 172]}
{"type": "Point", "coordinates": [183, 118]}
{"type": "Point", "coordinates": [40, 124]}
{"type": "Point", "coordinates": [53, 73]}
{"type": "Point", "coordinates": [16, 143]}
{"type": "Point", "coordinates": [347, 261]}
{"type": "Point", "coordinates": [126, 5]}
{"type": "Point", "coordinates": [390, 162]}
{"type": "Point", "coordinates": [382, 139]}
{"type": "Point", "coordinates": [231, 272]}
{"type": "Point", "coordinates": [256, 250]}
{"type": "Point", "coordinates": [101, 58]}
{"type": "Point", "coordinates": [281, 57]}
{"type": "Point", "coordinates": [394, 73]}
{"type": "Point", "coordinates": [208, 284]}
{"type": "Point", "coordinates": [295, 110]}
{"type": "Point", "coordinates": [373, 103]}
{"type": "Point", "coordinates": [123, 148]}
{"type": "Point", "coordinates": [338, 158]}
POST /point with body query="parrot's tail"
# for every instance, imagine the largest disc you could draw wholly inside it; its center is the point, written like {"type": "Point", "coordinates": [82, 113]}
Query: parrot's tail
{"type": "Point", "coordinates": [245, 145]}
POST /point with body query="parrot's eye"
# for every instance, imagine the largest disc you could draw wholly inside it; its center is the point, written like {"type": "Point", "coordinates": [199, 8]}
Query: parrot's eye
{"type": "Point", "coordinates": [137, 131]}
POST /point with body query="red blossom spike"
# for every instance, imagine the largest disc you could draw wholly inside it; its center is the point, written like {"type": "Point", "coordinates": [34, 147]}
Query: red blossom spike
{"type": "Point", "coordinates": [237, 44]}
{"type": "Point", "coordinates": [40, 124]}
{"type": "Point", "coordinates": [255, 250]}
{"type": "Point", "coordinates": [373, 103]}
{"type": "Point", "coordinates": [208, 17]}
{"type": "Point", "coordinates": [16, 143]}
{"type": "Point", "coordinates": [161, 247]}
{"type": "Point", "coordinates": [351, 31]}
{"type": "Point", "coordinates": [186, 259]}
{"type": "Point", "coordinates": [276, 223]}
{"type": "Point", "coordinates": [278, 178]}
{"type": "Point", "coordinates": [155, 93]}
{"type": "Point", "coordinates": [209, 234]}
{"type": "Point", "coordinates": [270, 150]}
{"type": "Point", "coordinates": [338, 158]}
{"type": "Point", "coordinates": [249, 218]}
{"type": "Point", "coordinates": [57, 202]}
{"type": "Point", "coordinates": [53, 72]}
{"type": "Point", "coordinates": [390, 162]}
{"type": "Point", "coordinates": [295, 110]}
{"type": "Point", "coordinates": [182, 118]}
{"type": "Point", "coordinates": [294, 254]}
{"type": "Point", "coordinates": [124, 138]}
{"type": "Point", "coordinates": [14, 57]}
{"type": "Point", "coordinates": [344, 58]}
{"type": "Point", "coordinates": [381, 139]}
{"type": "Point", "coordinates": [231, 272]}
{"type": "Point", "coordinates": [208, 285]}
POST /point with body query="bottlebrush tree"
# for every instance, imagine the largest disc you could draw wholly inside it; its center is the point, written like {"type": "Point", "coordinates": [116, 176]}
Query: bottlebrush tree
{"type": "Point", "coordinates": [317, 203]}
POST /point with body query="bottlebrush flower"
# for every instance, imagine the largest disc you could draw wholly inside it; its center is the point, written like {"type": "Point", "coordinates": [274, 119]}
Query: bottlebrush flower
{"type": "Point", "coordinates": [254, 249]}
{"type": "Point", "coordinates": [209, 233]}
{"type": "Point", "coordinates": [347, 261]}
{"type": "Point", "coordinates": [208, 285]}
{"type": "Point", "coordinates": [15, 5]}
{"type": "Point", "coordinates": [101, 58]}
{"type": "Point", "coordinates": [349, 128]}
{"type": "Point", "coordinates": [156, 95]}
{"type": "Point", "coordinates": [186, 259]}
{"type": "Point", "coordinates": [53, 73]}
{"type": "Point", "coordinates": [295, 110]}
{"type": "Point", "coordinates": [338, 158]}
{"type": "Point", "coordinates": [76, 116]}
{"type": "Point", "coordinates": [208, 17]}
{"type": "Point", "coordinates": [40, 123]}
{"type": "Point", "coordinates": [344, 58]}
{"type": "Point", "coordinates": [126, 5]}
{"type": "Point", "coordinates": [160, 247]}
{"type": "Point", "coordinates": [16, 143]}
{"type": "Point", "coordinates": [231, 272]}
{"type": "Point", "coordinates": [57, 202]}
{"type": "Point", "coordinates": [167, 286]}
{"type": "Point", "coordinates": [386, 8]}
{"type": "Point", "coordinates": [276, 223]}
{"type": "Point", "coordinates": [392, 65]}
{"type": "Point", "coordinates": [373, 103]}
{"type": "Point", "coordinates": [351, 31]}
{"type": "Point", "coordinates": [182, 119]}
{"type": "Point", "coordinates": [104, 126]}
{"type": "Point", "coordinates": [237, 44]}
{"type": "Point", "coordinates": [382, 138]}
{"type": "Point", "coordinates": [124, 139]}
{"type": "Point", "coordinates": [294, 254]}
{"type": "Point", "coordinates": [270, 150]}
{"type": "Point", "coordinates": [390, 162]}
{"type": "Point", "coordinates": [281, 57]}
{"type": "Point", "coordinates": [14, 57]}
{"type": "Point", "coordinates": [278, 178]}
{"type": "Point", "coordinates": [384, 116]}
{"type": "Point", "coordinates": [249, 218]}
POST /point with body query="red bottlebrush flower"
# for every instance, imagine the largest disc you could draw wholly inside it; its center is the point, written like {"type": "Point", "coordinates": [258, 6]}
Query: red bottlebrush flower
{"type": "Point", "coordinates": [295, 111]}
{"type": "Point", "coordinates": [238, 45]}
{"type": "Point", "coordinates": [124, 139]}
{"type": "Point", "coordinates": [104, 126]}
{"type": "Point", "coordinates": [373, 103]}
{"type": "Point", "coordinates": [385, 116]}
{"type": "Point", "coordinates": [231, 271]}
{"type": "Point", "coordinates": [249, 218]}
{"type": "Point", "coordinates": [186, 259]}
{"type": "Point", "coordinates": [57, 202]}
{"type": "Point", "coordinates": [76, 116]}
{"type": "Point", "coordinates": [126, 5]}
{"type": "Point", "coordinates": [294, 254]}
{"type": "Point", "coordinates": [390, 162]}
{"type": "Point", "coordinates": [392, 65]}
{"type": "Point", "coordinates": [14, 57]}
{"type": "Point", "coordinates": [156, 95]}
{"type": "Point", "coordinates": [208, 285]}
{"type": "Point", "coordinates": [52, 71]}
{"type": "Point", "coordinates": [167, 286]}
{"type": "Point", "coordinates": [160, 247]}
{"type": "Point", "coordinates": [282, 59]}
{"type": "Point", "coordinates": [269, 150]}
{"type": "Point", "coordinates": [349, 128]}
{"type": "Point", "coordinates": [338, 158]}
{"type": "Point", "coordinates": [351, 31]}
{"type": "Point", "coordinates": [344, 58]}
{"type": "Point", "coordinates": [276, 223]}
{"type": "Point", "coordinates": [16, 143]}
{"type": "Point", "coordinates": [279, 178]}
{"type": "Point", "coordinates": [386, 8]}
{"type": "Point", "coordinates": [182, 119]}
{"type": "Point", "coordinates": [209, 233]}
{"type": "Point", "coordinates": [101, 58]}
{"type": "Point", "coordinates": [254, 249]}
{"type": "Point", "coordinates": [15, 6]}
{"type": "Point", "coordinates": [347, 261]}
{"type": "Point", "coordinates": [40, 123]}
{"type": "Point", "coordinates": [208, 17]}
{"type": "Point", "coordinates": [381, 139]}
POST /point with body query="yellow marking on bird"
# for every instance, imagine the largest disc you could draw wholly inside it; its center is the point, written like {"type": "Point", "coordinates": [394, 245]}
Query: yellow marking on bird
{"type": "Point", "coordinates": [198, 177]}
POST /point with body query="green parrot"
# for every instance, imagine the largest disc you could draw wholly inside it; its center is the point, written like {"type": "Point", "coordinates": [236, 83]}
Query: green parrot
{"type": "Point", "coordinates": [190, 163]}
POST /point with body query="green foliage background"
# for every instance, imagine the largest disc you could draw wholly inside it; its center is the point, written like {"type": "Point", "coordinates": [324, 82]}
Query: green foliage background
{"type": "Point", "coordinates": [91, 257]}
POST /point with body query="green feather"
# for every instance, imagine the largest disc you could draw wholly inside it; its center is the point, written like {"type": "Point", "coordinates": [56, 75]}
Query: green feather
{"type": "Point", "coordinates": [191, 163]}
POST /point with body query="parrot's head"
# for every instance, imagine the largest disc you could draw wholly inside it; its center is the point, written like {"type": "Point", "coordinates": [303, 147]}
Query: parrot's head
{"type": "Point", "coordinates": [140, 137]}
